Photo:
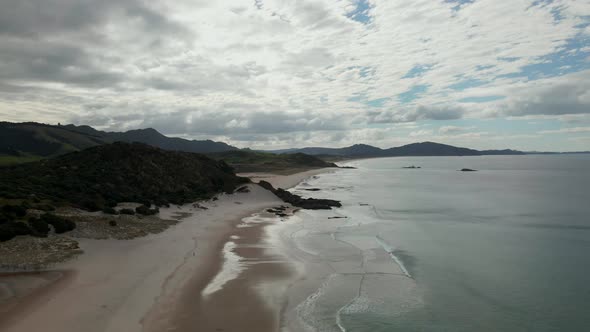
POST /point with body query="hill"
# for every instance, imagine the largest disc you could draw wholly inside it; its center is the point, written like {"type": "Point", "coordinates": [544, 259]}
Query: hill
{"type": "Point", "coordinates": [36, 139]}
{"type": "Point", "coordinates": [29, 141]}
{"type": "Point", "coordinates": [414, 149]}
{"type": "Point", "coordinates": [105, 175]}
{"type": "Point", "coordinates": [430, 149]}
{"type": "Point", "coordinates": [255, 161]}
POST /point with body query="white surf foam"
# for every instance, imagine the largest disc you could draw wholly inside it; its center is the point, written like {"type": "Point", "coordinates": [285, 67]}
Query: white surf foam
{"type": "Point", "coordinates": [391, 249]}
{"type": "Point", "coordinates": [232, 267]}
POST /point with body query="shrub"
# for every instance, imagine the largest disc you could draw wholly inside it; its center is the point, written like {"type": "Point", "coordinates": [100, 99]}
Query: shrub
{"type": "Point", "coordinates": [145, 210]}
{"type": "Point", "coordinates": [112, 223]}
{"type": "Point", "coordinates": [111, 203]}
{"type": "Point", "coordinates": [162, 202]}
{"type": "Point", "coordinates": [6, 233]}
{"type": "Point", "coordinates": [109, 210]}
{"type": "Point", "coordinates": [145, 202]}
{"type": "Point", "coordinates": [92, 205]}
{"type": "Point", "coordinates": [45, 207]}
{"type": "Point", "coordinates": [15, 210]}
{"type": "Point", "coordinates": [11, 229]}
{"type": "Point", "coordinates": [19, 228]}
{"type": "Point", "coordinates": [4, 218]}
{"type": "Point", "coordinates": [61, 225]}
{"type": "Point", "coordinates": [127, 211]}
{"type": "Point", "coordinates": [40, 227]}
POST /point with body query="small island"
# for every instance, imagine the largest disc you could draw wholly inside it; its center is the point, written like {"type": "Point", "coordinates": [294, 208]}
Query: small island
{"type": "Point", "coordinates": [412, 167]}
{"type": "Point", "coordinates": [467, 170]}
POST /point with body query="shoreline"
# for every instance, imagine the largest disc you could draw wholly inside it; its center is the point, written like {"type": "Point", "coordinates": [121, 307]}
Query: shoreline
{"type": "Point", "coordinates": [149, 283]}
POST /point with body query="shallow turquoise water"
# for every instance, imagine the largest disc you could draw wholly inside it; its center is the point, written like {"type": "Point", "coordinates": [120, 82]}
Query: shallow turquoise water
{"type": "Point", "coordinates": [506, 248]}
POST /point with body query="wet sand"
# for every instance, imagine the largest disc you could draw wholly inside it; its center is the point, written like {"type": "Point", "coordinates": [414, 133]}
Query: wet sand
{"type": "Point", "coordinates": [154, 283]}
{"type": "Point", "coordinates": [21, 292]}
{"type": "Point", "coordinates": [252, 301]}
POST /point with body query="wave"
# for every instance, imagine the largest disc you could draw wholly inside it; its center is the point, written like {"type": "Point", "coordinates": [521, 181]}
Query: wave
{"type": "Point", "coordinates": [391, 251]}
{"type": "Point", "coordinates": [232, 267]}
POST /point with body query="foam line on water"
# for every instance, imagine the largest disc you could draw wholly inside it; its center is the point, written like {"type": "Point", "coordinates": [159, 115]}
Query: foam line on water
{"type": "Point", "coordinates": [232, 267]}
{"type": "Point", "coordinates": [390, 250]}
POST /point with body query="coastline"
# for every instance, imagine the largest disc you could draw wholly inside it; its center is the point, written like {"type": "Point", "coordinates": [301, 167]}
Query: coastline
{"type": "Point", "coordinates": [149, 283]}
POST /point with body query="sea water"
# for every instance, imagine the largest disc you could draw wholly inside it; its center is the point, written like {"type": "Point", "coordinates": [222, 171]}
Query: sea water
{"type": "Point", "coordinates": [506, 248]}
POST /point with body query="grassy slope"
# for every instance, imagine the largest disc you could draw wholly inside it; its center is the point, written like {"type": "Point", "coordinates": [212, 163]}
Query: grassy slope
{"type": "Point", "coordinates": [253, 161]}
{"type": "Point", "coordinates": [39, 140]}
{"type": "Point", "coordinates": [13, 160]}
{"type": "Point", "coordinates": [104, 175]}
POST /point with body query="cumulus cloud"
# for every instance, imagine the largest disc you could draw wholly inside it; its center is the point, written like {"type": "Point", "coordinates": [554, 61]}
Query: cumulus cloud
{"type": "Point", "coordinates": [283, 71]}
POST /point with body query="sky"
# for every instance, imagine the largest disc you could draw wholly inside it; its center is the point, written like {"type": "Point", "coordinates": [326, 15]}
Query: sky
{"type": "Point", "coordinates": [273, 74]}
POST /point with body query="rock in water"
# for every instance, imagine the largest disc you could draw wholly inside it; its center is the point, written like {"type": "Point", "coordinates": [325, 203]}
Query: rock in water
{"type": "Point", "coordinates": [298, 201]}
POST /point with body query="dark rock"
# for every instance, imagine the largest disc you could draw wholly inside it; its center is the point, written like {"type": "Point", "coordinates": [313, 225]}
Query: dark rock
{"type": "Point", "coordinates": [312, 189]}
{"type": "Point", "coordinates": [338, 217]}
{"type": "Point", "coordinates": [112, 223]}
{"type": "Point", "coordinates": [296, 200]}
{"type": "Point", "coordinates": [199, 206]}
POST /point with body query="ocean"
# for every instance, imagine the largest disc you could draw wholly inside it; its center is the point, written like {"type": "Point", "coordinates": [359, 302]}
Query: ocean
{"type": "Point", "coordinates": [506, 248]}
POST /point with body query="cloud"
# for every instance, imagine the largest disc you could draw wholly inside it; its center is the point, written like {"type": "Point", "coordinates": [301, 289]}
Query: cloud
{"type": "Point", "coordinates": [567, 130]}
{"type": "Point", "coordinates": [446, 130]}
{"type": "Point", "coordinates": [565, 95]}
{"type": "Point", "coordinates": [286, 71]}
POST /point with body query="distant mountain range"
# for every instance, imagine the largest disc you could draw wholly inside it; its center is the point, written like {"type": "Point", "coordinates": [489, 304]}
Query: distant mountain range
{"type": "Point", "coordinates": [27, 142]}
{"type": "Point", "coordinates": [37, 139]}
{"type": "Point", "coordinates": [414, 149]}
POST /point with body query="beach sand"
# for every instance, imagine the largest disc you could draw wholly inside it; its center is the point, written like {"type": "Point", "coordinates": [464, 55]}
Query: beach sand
{"type": "Point", "coordinates": [154, 283]}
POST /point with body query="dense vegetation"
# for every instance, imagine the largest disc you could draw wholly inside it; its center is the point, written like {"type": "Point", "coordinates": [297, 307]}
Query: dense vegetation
{"type": "Point", "coordinates": [251, 161]}
{"type": "Point", "coordinates": [102, 176]}
{"type": "Point", "coordinates": [26, 142]}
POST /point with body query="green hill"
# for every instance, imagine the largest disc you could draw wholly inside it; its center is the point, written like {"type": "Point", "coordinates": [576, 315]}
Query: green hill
{"type": "Point", "coordinates": [29, 141]}
{"type": "Point", "coordinates": [40, 140]}
{"type": "Point", "coordinates": [26, 142]}
{"type": "Point", "coordinates": [104, 175]}
{"type": "Point", "coordinates": [254, 161]}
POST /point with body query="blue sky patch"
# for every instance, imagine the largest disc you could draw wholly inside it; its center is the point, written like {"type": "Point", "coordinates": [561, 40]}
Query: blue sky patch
{"type": "Point", "coordinates": [371, 103]}
{"type": "Point", "coordinates": [361, 13]}
{"type": "Point", "coordinates": [412, 94]}
{"type": "Point", "coordinates": [418, 70]}
{"type": "Point", "coordinates": [459, 3]}
{"type": "Point", "coordinates": [466, 84]}
{"type": "Point", "coordinates": [569, 59]}
{"type": "Point", "coordinates": [483, 99]}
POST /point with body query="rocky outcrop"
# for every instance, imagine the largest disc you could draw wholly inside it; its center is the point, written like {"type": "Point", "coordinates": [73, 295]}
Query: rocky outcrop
{"type": "Point", "coordinates": [298, 201]}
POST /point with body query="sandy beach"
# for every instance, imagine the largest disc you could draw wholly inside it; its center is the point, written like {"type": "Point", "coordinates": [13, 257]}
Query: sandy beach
{"type": "Point", "coordinates": [176, 280]}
